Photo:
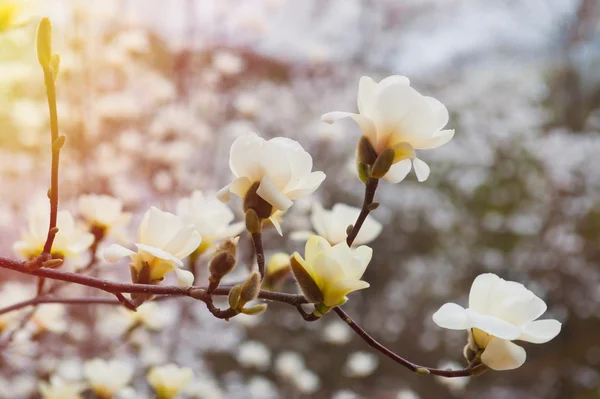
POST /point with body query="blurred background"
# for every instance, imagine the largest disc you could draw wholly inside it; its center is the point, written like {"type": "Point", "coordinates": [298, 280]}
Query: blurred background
{"type": "Point", "coordinates": [153, 93]}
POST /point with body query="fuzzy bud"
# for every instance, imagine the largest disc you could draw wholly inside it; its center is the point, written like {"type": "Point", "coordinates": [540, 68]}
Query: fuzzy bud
{"type": "Point", "coordinates": [223, 259]}
{"type": "Point", "coordinates": [365, 152]}
{"type": "Point", "coordinates": [234, 296]}
{"type": "Point", "coordinates": [254, 310]}
{"type": "Point", "coordinates": [250, 289]}
{"type": "Point", "coordinates": [383, 164]}
{"type": "Point", "coordinates": [253, 222]}
{"type": "Point", "coordinates": [363, 171]}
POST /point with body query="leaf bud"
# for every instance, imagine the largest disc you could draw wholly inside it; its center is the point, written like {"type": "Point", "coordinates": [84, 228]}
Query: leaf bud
{"type": "Point", "coordinates": [383, 164]}
{"type": "Point", "coordinates": [365, 152]}
{"type": "Point", "coordinates": [44, 42]}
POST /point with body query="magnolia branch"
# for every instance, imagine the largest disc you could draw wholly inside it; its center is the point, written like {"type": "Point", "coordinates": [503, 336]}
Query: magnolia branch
{"type": "Point", "coordinates": [367, 206]}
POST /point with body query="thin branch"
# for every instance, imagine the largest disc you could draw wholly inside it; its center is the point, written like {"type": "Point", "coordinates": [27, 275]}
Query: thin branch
{"type": "Point", "coordinates": [260, 253]}
{"type": "Point", "coordinates": [372, 342]}
{"type": "Point", "coordinates": [370, 189]}
{"type": "Point", "coordinates": [51, 94]}
{"type": "Point", "coordinates": [39, 300]}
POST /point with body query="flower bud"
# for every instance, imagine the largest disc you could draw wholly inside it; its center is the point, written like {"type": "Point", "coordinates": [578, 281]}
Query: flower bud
{"type": "Point", "coordinates": [44, 42]}
{"type": "Point", "coordinates": [234, 296]}
{"type": "Point", "coordinates": [363, 171]}
{"type": "Point", "coordinates": [383, 164]}
{"type": "Point", "coordinates": [254, 310]}
{"type": "Point", "coordinates": [250, 289]}
{"type": "Point", "coordinates": [223, 260]}
{"type": "Point", "coordinates": [253, 223]}
{"type": "Point", "coordinates": [307, 284]}
{"type": "Point", "coordinates": [254, 201]}
{"type": "Point", "coordinates": [52, 263]}
{"type": "Point", "coordinates": [365, 152]}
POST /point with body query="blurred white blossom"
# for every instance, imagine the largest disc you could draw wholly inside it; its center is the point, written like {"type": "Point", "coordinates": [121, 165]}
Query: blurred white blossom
{"type": "Point", "coordinates": [107, 378]}
{"type": "Point", "coordinates": [169, 380]}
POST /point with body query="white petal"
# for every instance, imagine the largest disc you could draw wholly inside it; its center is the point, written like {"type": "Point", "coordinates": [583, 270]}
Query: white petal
{"type": "Point", "coordinates": [309, 185]}
{"type": "Point", "coordinates": [276, 224]}
{"type": "Point", "coordinates": [493, 325]}
{"type": "Point", "coordinates": [437, 140]}
{"type": "Point", "coordinates": [240, 186]}
{"type": "Point", "coordinates": [452, 316]}
{"type": "Point", "coordinates": [541, 331]}
{"type": "Point", "coordinates": [362, 256]}
{"type": "Point", "coordinates": [421, 169]}
{"type": "Point", "coordinates": [115, 252]}
{"type": "Point", "coordinates": [398, 171]}
{"type": "Point", "coordinates": [244, 156]}
{"type": "Point", "coordinates": [159, 253]}
{"type": "Point", "coordinates": [501, 354]}
{"type": "Point", "coordinates": [268, 191]}
{"type": "Point", "coordinates": [184, 277]}
{"type": "Point", "coordinates": [366, 95]}
{"type": "Point", "coordinates": [480, 291]}
{"type": "Point", "coordinates": [224, 194]}
{"type": "Point", "coordinates": [365, 124]}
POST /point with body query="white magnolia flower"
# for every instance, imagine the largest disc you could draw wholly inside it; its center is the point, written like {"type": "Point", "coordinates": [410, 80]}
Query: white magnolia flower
{"type": "Point", "coordinates": [499, 312]}
{"type": "Point", "coordinates": [394, 115]}
{"type": "Point", "coordinates": [58, 388]}
{"type": "Point", "coordinates": [328, 273]}
{"type": "Point", "coordinates": [107, 378]}
{"type": "Point", "coordinates": [50, 317]}
{"type": "Point", "coordinates": [163, 241]}
{"type": "Point", "coordinates": [288, 364]}
{"type": "Point", "coordinates": [273, 173]}
{"type": "Point", "coordinates": [104, 212]}
{"type": "Point", "coordinates": [167, 381]}
{"type": "Point", "coordinates": [254, 354]}
{"type": "Point", "coordinates": [211, 218]}
{"type": "Point", "coordinates": [10, 294]}
{"type": "Point", "coordinates": [70, 241]}
{"type": "Point", "coordinates": [150, 315]}
{"type": "Point", "coordinates": [361, 364]}
{"type": "Point", "coordinates": [332, 225]}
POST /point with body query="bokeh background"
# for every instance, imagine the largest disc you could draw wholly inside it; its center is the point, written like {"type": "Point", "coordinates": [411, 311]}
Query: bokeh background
{"type": "Point", "coordinates": [152, 94]}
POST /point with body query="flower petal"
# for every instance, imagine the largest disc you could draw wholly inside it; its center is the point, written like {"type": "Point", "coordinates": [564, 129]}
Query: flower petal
{"type": "Point", "coordinates": [493, 325]}
{"type": "Point", "coordinates": [276, 224]}
{"type": "Point", "coordinates": [366, 125]}
{"type": "Point", "coordinates": [398, 171]}
{"type": "Point", "coordinates": [480, 291]}
{"type": "Point", "coordinates": [240, 186]}
{"type": "Point", "coordinates": [244, 156]}
{"type": "Point", "coordinates": [159, 253]}
{"type": "Point", "coordinates": [452, 316]}
{"type": "Point", "coordinates": [421, 169]}
{"type": "Point", "coordinates": [224, 194]}
{"type": "Point", "coordinates": [309, 185]}
{"type": "Point", "coordinates": [366, 95]}
{"type": "Point", "coordinates": [335, 293]}
{"type": "Point", "coordinates": [115, 252]}
{"type": "Point", "coordinates": [184, 277]}
{"type": "Point", "coordinates": [540, 331]}
{"type": "Point", "coordinates": [501, 354]}
{"type": "Point", "coordinates": [437, 140]}
{"type": "Point", "coordinates": [268, 191]}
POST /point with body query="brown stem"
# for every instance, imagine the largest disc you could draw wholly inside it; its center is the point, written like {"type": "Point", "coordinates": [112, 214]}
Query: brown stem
{"type": "Point", "coordinates": [370, 189]}
{"type": "Point", "coordinates": [260, 253]}
{"type": "Point", "coordinates": [372, 342]}
{"type": "Point", "coordinates": [39, 300]}
{"type": "Point", "coordinates": [51, 94]}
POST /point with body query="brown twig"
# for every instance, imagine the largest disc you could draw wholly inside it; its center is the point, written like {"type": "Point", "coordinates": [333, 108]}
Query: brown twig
{"type": "Point", "coordinates": [372, 342]}
{"type": "Point", "coordinates": [370, 189]}
{"type": "Point", "coordinates": [260, 253]}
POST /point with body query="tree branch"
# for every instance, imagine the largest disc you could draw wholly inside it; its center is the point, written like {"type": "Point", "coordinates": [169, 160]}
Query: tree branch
{"type": "Point", "coordinates": [372, 342]}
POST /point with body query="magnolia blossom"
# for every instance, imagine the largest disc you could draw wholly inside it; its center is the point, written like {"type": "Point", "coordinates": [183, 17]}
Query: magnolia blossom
{"type": "Point", "coordinates": [149, 315]}
{"type": "Point", "coordinates": [104, 212]}
{"type": "Point", "coordinates": [106, 378]}
{"type": "Point", "coordinates": [49, 317]}
{"type": "Point", "coordinates": [328, 273]}
{"type": "Point", "coordinates": [58, 388]}
{"type": "Point", "coordinates": [211, 218]}
{"type": "Point", "coordinates": [10, 294]}
{"type": "Point", "coordinates": [167, 381]}
{"type": "Point", "coordinates": [163, 241]}
{"type": "Point", "coordinates": [499, 312]}
{"type": "Point", "coordinates": [270, 174]}
{"type": "Point", "coordinates": [332, 225]}
{"type": "Point", "coordinates": [70, 241]}
{"type": "Point", "coordinates": [394, 115]}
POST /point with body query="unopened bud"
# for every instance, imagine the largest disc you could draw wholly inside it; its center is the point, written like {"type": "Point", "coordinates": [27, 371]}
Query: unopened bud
{"type": "Point", "coordinates": [422, 371]}
{"type": "Point", "coordinates": [44, 42]}
{"type": "Point", "coordinates": [254, 310]}
{"type": "Point", "coordinates": [234, 296]}
{"type": "Point", "coordinates": [311, 290]}
{"type": "Point", "coordinates": [365, 152]}
{"type": "Point", "coordinates": [363, 171]}
{"type": "Point", "coordinates": [383, 164]}
{"type": "Point", "coordinates": [52, 263]}
{"type": "Point", "coordinates": [349, 229]}
{"type": "Point", "coordinates": [253, 222]}
{"type": "Point", "coordinates": [254, 201]}
{"type": "Point", "coordinates": [223, 259]}
{"type": "Point", "coordinates": [54, 230]}
{"type": "Point", "coordinates": [250, 288]}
